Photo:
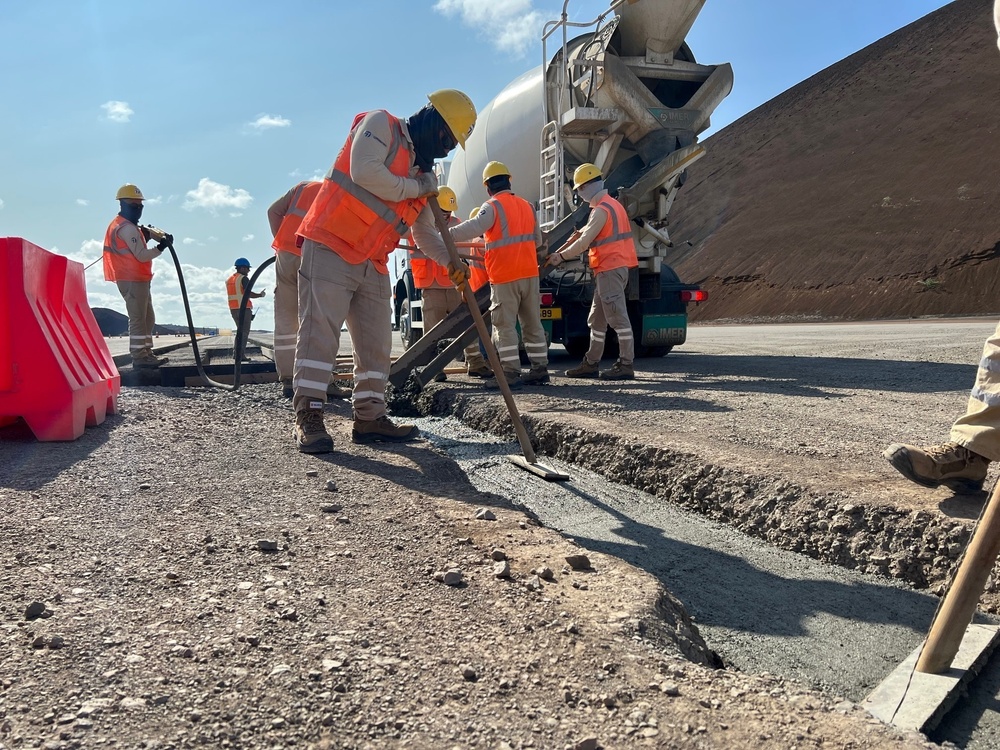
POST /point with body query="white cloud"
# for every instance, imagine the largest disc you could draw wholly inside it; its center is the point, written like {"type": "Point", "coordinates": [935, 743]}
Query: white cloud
{"type": "Point", "coordinates": [117, 111]}
{"type": "Point", "coordinates": [213, 196]}
{"type": "Point", "coordinates": [510, 25]}
{"type": "Point", "coordinates": [247, 237]}
{"type": "Point", "coordinates": [190, 241]}
{"type": "Point", "coordinates": [266, 122]}
{"type": "Point", "coordinates": [1, 204]}
{"type": "Point", "coordinates": [82, 202]}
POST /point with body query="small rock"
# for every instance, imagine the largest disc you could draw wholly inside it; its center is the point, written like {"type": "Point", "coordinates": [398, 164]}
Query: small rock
{"type": "Point", "coordinates": [289, 614]}
{"type": "Point", "coordinates": [498, 554]}
{"type": "Point", "coordinates": [56, 642]}
{"type": "Point", "coordinates": [469, 673]}
{"type": "Point", "coordinates": [451, 577]}
{"type": "Point", "coordinates": [331, 508]}
{"type": "Point", "coordinates": [578, 562]}
{"type": "Point", "coordinates": [343, 519]}
{"type": "Point", "coordinates": [145, 486]}
{"type": "Point", "coordinates": [267, 545]}
{"type": "Point", "coordinates": [485, 514]}
{"type": "Point", "coordinates": [172, 576]}
{"type": "Point", "coordinates": [34, 610]}
{"type": "Point", "coordinates": [669, 688]}
{"type": "Point", "coordinates": [545, 573]}
{"type": "Point", "coordinates": [581, 586]}
{"type": "Point", "coordinates": [331, 486]}
{"type": "Point", "coordinates": [588, 744]}
{"type": "Point", "coordinates": [39, 642]}
{"type": "Point", "coordinates": [501, 569]}
{"type": "Point", "coordinates": [312, 473]}
{"type": "Point", "coordinates": [534, 583]}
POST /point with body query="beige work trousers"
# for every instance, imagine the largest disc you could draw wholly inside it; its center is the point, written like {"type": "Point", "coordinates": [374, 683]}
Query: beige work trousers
{"type": "Point", "coordinates": [245, 332]}
{"type": "Point", "coordinates": [286, 312]}
{"type": "Point", "coordinates": [607, 309]}
{"type": "Point", "coordinates": [139, 306]}
{"type": "Point", "coordinates": [518, 302]}
{"type": "Point", "coordinates": [979, 428]}
{"type": "Point", "coordinates": [332, 292]}
{"type": "Point", "coordinates": [436, 304]}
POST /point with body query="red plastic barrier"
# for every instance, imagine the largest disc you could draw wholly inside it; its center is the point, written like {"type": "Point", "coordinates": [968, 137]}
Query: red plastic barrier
{"type": "Point", "coordinates": [55, 368]}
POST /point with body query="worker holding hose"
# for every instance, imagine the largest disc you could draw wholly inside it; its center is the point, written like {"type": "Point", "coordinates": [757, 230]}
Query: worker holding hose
{"type": "Point", "coordinates": [129, 263]}
{"type": "Point", "coordinates": [376, 191]}
{"type": "Point", "coordinates": [235, 288]}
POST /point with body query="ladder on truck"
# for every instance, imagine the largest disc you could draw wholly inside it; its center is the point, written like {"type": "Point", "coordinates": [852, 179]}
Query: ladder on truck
{"type": "Point", "coordinates": [567, 122]}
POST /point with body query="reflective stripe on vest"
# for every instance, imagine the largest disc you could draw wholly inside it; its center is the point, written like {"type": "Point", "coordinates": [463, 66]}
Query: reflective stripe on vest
{"type": "Point", "coordinates": [119, 262]}
{"type": "Point", "coordinates": [617, 247]}
{"type": "Point", "coordinates": [351, 221]}
{"type": "Point", "coordinates": [235, 293]}
{"type": "Point", "coordinates": [303, 197]}
{"type": "Point", "coordinates": [510, 242]}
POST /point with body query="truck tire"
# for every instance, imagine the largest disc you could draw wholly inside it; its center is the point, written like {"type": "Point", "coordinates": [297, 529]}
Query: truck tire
{"type": "Point", "coordinates": [577, 346]}
{"type": "Point", "coordinates": [406, 332]}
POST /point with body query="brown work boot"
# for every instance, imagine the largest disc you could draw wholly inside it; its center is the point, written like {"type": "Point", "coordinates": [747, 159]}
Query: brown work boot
{"type": "Point", "coordinates": [513, 378]}
{"type": "Point", "coordinates": [310, 432]}
{"type": "Point", "coordinates": [335, 391]}
{"type": "Point", "coordinates": [950, 464]}
{"type": "Point", "coordinates": [537, 375]}
{"type": "Point", "coordinates": [383, 430]}
{"type": "Point", "coordinates": [478, 370]}
{"type": "Point", "coordinates": [584, 370]}
{"type": "Point", "coordinates": [618, 371]}
{"type": "Point", "coordinates": [287, 391]}
{"type": "Point", "coordinates": [148, 361]}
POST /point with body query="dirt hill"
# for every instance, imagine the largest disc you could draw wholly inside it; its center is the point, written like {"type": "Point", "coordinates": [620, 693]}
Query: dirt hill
{"type": "Point", "coordinates": [867, 191]}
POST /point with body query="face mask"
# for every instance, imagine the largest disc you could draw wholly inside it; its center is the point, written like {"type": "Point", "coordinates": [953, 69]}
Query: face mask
{"type": "Point", "coordinates": [431, 137]}
{"type": "Point", "coordinates": [588, 191]}
{"type": "Point", "coordinates": [131, 211]}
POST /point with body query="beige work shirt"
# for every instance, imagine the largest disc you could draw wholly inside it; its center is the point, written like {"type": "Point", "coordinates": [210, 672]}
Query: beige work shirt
{"type": "Point", "coordinates": [132, 236]}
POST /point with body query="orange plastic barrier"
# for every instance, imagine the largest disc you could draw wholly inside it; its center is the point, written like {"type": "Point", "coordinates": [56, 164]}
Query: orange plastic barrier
{"type": "Point", "coordinates": [55, 369]}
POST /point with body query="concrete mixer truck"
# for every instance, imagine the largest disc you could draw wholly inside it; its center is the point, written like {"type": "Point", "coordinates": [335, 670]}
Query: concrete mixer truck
{"type": "Point", "coordinates": [624, 92]}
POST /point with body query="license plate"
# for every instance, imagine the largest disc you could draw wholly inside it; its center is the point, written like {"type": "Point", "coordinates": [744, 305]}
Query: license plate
{"type": "Point", "coordinates": [550, 313]}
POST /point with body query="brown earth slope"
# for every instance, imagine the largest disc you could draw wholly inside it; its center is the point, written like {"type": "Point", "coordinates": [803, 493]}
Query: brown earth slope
{"type": "Point", "coordinates": [866, 191]}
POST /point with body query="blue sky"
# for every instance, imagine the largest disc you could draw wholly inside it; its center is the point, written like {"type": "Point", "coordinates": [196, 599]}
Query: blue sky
{"type": "Point", "coordinates": [214, 108]}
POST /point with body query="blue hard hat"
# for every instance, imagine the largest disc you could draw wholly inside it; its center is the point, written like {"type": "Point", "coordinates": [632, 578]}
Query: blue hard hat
{"type": "Point", "coordinates": [242, 262]}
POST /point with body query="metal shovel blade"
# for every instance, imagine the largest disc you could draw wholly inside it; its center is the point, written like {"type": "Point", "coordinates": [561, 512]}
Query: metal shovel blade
{"type": "Point", "coordinates": [545, 472]}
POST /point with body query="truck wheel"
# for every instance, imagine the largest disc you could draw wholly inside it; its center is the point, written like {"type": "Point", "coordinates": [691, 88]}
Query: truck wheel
{"type": "Point", "coordinates": [577, 346]}
{"type": "Point", "coordinates": [653, 351]}
{"type": "Point", "coordinates": [406, 332]}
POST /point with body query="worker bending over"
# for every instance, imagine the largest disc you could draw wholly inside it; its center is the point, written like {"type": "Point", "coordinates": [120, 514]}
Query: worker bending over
{"type": "Point", "coordinates": [376, 190]}
{"type": "Point", "coordinates": [438, 295]}
{"type": "Point", "coordinates": [129, 263]}
{"type": "Point", "coordinates": [608, 238]}
{"type": "Point", "coordinates": [513, 242]}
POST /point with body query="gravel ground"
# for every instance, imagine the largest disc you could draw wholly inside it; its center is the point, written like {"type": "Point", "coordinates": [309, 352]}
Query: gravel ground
{"type": "Point", "coordinates": [181, 577]}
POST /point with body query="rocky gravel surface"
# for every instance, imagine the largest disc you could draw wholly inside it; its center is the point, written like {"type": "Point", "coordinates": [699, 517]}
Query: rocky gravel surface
{"type": "Point", "coordinates": [181, 577]}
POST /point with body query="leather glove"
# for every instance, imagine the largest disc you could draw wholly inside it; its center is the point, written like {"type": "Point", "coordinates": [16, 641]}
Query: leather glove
{"type": "Point", "coordinates": [458, 274]}
{"type": "Point", "coordinates": [554, 260]}
{"type": "Point", "coordinates": [428, 185]}
{"type": "Point", "coordinates": [168, 239]}
{"type": "Point", "coordinates": [542, 251]}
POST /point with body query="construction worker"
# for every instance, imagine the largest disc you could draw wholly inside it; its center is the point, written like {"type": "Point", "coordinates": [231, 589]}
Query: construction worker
{"type": "Point", "coordinates": [438, 295]}
{"type": "Point", "coordinates": [607, 236]}
{"type": "Point", "coordinates": [129, 263]}
{"type": "Point", "coordinates": [376, 190]}
{"type": "Point", "coordinates": [235, 286]}
{"type": "Point", "coordinates": [285, 215]}
{"type": "Point", "coordinates": [513, 241]}
{"type": "Point", "coordinates": [478, 277]}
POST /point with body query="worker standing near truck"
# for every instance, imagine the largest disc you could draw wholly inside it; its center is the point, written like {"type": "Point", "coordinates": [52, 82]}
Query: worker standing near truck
{"type": "Point", "coordinates": [513, 241]}
{"type": "Point", "coordinates": [608, 238]}
{"type": "Point", "coordinates": [376, 190]}
{"type": "Point", "coordinates": [438, 295]}
{"type": "Point", "coordinates": [129, 263]}
{"type": "Point", "coordinates": [235, 286]}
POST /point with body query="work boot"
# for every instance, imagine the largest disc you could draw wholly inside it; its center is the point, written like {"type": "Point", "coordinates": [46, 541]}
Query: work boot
{"type": "Point", "coordinates": [148, 361]}
{"type": "Point", "coordinates": [383, 430]}
{"type": "Point", "coordinates": [479, 370]}
{"type": "Point", "coordinates": [335, 391]}
{"type": "Point", "coordinates": [618, 371]}
{"type": "Point", "coordinates": [513, 378]}
{"type": "Point", "coordinates": [537, 375]}
{"type": "Point", "coordinates": [287, 391]}
{"type": "Point", "coordinates": [310, 432]}
{"type": "Point", "coordinates": [584, 370]}
{"type": "Point", "coordinates": [950, 464]}
{"type": "Point", "coordinates": [440, 377]}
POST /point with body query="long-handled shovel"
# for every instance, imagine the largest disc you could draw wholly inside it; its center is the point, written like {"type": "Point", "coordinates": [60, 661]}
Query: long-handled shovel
{"type": "Point", "coordinates": [527, 461]}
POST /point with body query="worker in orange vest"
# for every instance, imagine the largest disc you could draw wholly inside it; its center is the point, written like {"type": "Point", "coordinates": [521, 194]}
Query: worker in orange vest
{"type": "Point", "coordinates": [478, 278]}
{"type": "Point", "coordinates": [608, 238]}
{"type": "Point", "coordinates": [513, 244]}
{"type": "Point", "coordinates": [375, 192]}
{"type": "Point", "coordinates": [438, 295]}
{"type": "Point", "coordinates": [235, 286]}
{"type": "Point", "coordinates": [129, 263]}
{"type": "Point", "coordinates": [285, 216]}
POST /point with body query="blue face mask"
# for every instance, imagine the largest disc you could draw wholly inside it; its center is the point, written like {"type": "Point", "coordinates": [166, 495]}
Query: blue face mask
{"type": "Point", "coordinates": [130, 211]}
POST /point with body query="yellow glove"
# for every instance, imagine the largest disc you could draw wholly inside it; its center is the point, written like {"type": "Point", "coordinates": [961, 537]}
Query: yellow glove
{"type": "Point", "coordinates": [459, 274]}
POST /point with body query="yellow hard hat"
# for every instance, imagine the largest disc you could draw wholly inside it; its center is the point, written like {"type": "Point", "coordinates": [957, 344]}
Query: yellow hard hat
{"type": "Point", "coordinates": [457, 110]}
{"type": "Point", "coordinates": [447, 199]}
{"type": "Point", "coordinates": [475, 212]}
{"type": "Point", "coordinates": [495, 169]}
{"type": "Point", "coordinates": [128, 191]}
{"type": "Point", "coordinates": [584, 174]}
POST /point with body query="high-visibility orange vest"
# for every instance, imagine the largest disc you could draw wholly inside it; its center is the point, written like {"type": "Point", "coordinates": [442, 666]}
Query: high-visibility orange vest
{"type": "Point", "coordinates": [613, 247]}
{"type": "Point", "coordinates": [354, 223]}
{"type": "Point", "coordinates": [427, 274]}
{"type": "Point", "coordinates": [119, 262]}
{"type": "Point", "coordinates": [303, 197]}
{"type": "Point", "coordinates": [510, 242]}
{"type": "Point", "coordinates": [235, 291]}
{"type": "Point", "coordinates": [478, 277]}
